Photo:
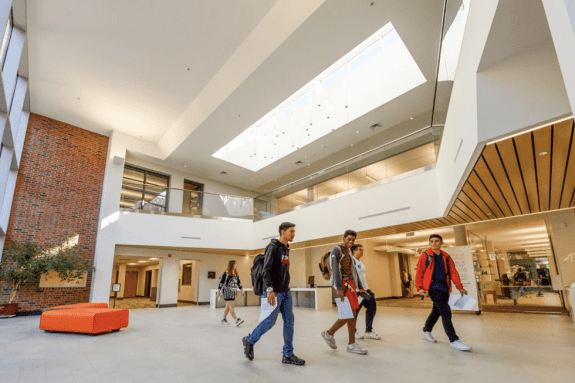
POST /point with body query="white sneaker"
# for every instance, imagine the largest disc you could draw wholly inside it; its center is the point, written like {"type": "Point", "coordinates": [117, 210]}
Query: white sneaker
{"type": "Point", "coordinates": [354, 347]}
{"type": "Point", "coordinates": [358, 336]}
{"type": "Point", "coordinates": [329, 339]}
{"type": "Point", "coordinates": [239, 321]}
{"type": "Point", "coordinates": [224, 321]}
{"type": "Point", "coordinates": [428, 337]}
{"type": "Point", "coordinates": [458, 345]}
{"type": "Point", "coordinates": [371, 335]}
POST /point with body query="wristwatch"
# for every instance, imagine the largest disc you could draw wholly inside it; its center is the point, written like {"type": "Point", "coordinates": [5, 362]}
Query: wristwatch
{"type": "Point", "coordinates": [270, 289]}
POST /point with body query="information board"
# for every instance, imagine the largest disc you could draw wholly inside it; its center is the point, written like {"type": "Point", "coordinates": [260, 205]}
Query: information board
{"type": "Point", "coordinates": [463, 260]}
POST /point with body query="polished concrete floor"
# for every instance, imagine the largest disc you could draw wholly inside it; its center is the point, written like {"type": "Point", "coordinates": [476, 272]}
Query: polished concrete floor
{"type": "Point", "coordinates": [188, 344]}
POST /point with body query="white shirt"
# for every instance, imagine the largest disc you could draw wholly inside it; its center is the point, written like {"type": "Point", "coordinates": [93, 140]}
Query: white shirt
{"type": "Point", "coordinates": [360, 268]}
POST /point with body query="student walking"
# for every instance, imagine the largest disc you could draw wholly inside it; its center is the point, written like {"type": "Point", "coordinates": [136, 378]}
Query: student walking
{"type": "Point", "coordinates": [435, 272]}
{"type": "Point", "coordinates": [406, 278]}
{"type": "Point", "coordinates": [368, 298]}
{"type": "Point", "coordinates": [276, 289]}
{"type": "Point", "coordinates": [344, 280]}
{"type": "Point", "coordinates": [228, 287]}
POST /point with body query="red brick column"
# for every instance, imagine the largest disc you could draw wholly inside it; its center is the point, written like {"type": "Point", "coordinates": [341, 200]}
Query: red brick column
{"type": "Point", "coordinates": [58, 192]}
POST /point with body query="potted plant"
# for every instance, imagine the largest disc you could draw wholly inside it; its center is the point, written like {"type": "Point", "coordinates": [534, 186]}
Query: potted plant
{"type": "Point", "coordinates": [23, 264]}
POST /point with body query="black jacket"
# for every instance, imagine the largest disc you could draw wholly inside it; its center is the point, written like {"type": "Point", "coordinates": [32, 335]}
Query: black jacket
{"type": "Point", "coordinates": [276, 266]}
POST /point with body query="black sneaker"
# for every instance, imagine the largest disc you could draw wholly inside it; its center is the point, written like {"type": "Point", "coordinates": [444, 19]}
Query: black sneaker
{"type": "Point", "coordinates": [292, 359]}
{"type": "Point", "coordinates": [248, 348]}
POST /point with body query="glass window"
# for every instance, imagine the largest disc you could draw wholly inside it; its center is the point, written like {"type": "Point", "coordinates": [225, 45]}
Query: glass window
{"type": "Point", "coordinates": [143, 189]}
{"type": "Point", "coordinates": [390, 38]}
{"type": "Point", "coordinates": [6, 38]}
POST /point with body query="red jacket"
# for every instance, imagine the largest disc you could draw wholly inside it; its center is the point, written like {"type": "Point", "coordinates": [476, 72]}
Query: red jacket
{"type": "Point", "coordinates": [423, 278]}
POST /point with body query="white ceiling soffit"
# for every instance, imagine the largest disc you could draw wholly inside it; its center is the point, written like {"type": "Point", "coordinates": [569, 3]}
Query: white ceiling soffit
{"type": "Point", "coordinates": [130, 65]}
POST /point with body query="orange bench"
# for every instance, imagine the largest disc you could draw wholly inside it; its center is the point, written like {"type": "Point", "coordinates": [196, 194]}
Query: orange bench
{"type": "Point", "coordinates": [84, 320]}
{"type": "Point", "coordinates": [80, 306]}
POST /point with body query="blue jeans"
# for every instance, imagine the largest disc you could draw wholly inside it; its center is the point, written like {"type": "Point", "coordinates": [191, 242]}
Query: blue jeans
{"type": "Point", "coordinates": [285, 306]}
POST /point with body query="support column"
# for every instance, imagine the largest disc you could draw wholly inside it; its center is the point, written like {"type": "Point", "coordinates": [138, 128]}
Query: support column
{"type": "Point", "coordinates": [460, 235]}
{"type": "Point", "coordinates": [310, 195]}
{"type": "Point", "coordinates": [168, 283]}
{"type": "Point", "coordinates": [122, 280]}
{"type": "Point", "coordinates": [562, 228]}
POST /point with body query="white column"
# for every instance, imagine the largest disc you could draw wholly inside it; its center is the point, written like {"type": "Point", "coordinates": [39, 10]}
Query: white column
{"type": "Point", "coordinates": [168, 283]}
{"type": "Point", "coordinates": [122, 279]}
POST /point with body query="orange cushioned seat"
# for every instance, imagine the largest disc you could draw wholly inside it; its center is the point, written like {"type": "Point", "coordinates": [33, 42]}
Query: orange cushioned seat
{"type": "Point", "coordinates": [80, 306]}
{"type": "Point", "coordinates": [85, 320]}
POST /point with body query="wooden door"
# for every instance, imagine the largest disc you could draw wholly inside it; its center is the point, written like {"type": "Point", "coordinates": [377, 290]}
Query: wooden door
{"type": "Point", "coordinates": [131, 284]}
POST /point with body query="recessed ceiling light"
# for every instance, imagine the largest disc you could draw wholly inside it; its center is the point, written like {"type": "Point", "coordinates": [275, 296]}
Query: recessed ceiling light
{"type": "Point", "coordinates": [357, 131]}
{"type": "Point", "coordinates": [543, 153]}
{"type": "Point", "coordinates": [154, 259]}
{"type": "Point", "coordinates": [411, 118]}
{"type": "Point", "coordinates": [142, 261]}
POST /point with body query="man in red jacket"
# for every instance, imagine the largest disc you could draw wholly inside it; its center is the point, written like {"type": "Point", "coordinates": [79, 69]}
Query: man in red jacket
{"type": "Point", "coordinates": [435, 272]}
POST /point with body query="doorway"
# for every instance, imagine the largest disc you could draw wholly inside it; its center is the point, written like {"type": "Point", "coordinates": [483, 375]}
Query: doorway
{"type": "Point", "coordinates": [148, 283]}
{"type": "Point", "coordinates": [193, 198]}
{"type": "Point", "coordinates": [131, 284]}
{"type": "Point", "coordinates": [187, 282]}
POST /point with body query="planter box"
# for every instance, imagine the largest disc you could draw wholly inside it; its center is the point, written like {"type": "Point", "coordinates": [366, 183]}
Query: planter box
{"type": "Point", "coordinates": [8, 309]}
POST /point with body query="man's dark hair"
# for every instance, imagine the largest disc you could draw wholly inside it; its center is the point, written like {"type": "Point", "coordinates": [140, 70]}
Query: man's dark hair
{"type": "Point", "coordinates": [402, 269]}
{"type": "Point", "coordinates": [285, 225]}
{"type": "Point", "coordinates": [436, 236]}
{"type": "Point", "coordinates": [355, 247]}
{"type": "Point", "coordinates": [350, 232]}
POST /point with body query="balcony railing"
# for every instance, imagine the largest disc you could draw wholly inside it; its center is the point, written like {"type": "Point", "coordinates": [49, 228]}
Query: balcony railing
{"type": "Point", "coordinates": [393, 160]}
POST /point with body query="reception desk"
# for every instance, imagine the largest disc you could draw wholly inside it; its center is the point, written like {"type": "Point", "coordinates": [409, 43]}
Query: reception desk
{"type": "Point", "coordinates": [316, 297]}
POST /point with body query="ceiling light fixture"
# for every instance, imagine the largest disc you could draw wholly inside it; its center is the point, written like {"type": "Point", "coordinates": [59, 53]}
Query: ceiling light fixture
{"type": "Point", "coordinates": [543, 153]}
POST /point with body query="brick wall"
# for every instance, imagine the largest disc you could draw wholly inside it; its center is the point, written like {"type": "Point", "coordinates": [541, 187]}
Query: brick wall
{"type": "Point", "coordinates": [58, 192]}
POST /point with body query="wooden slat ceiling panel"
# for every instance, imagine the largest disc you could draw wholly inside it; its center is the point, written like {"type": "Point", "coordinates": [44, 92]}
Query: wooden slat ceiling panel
{"type": "Point", "coordinates": [524, 145]}
{"type": "Point", "coordinates": [475, 182]}
{"type": "Point", "coordinates": [471, 205]}
{"type": "Point", "coordinates": [542, 141]}
{"type": "Point", "coordinates": [487, 178]}
{"type": "Point", "coordinates": [506, 150]}
{"type": "Point", "coordinates": [465, 210]}
{"type": "Point", "coordinates": [456, 218]}
{"type": "Point", "coordinates": [561, 140]}
{"type": "Point", "coordinates": [470, 192]}
{"type": "Point", "coordinates": [569, 185]}
{"type": "Point", "coordinates": [493, 162]}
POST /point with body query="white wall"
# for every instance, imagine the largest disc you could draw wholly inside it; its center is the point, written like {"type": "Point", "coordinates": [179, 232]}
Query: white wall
{"type": "Point", "coordinates": [419, 193]}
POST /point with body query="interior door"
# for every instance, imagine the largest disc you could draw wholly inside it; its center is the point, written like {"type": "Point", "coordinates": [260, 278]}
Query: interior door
{"type": "Point", "coordinates": [148, 283]}
{"type": "Point", "coordinates": [131, 284]}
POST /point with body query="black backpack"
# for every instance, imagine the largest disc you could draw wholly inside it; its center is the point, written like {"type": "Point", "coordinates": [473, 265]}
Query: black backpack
{"type": "Point", "coordinates": [257, 274]}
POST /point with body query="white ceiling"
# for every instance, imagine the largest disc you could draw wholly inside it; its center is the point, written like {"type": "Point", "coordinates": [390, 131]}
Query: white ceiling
{"type": "Point", "coordinates": [123, 65]}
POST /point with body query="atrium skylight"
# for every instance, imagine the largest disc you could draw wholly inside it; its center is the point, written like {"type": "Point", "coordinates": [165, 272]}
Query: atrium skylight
{"type": "Point", "coordinates": [375, 72]}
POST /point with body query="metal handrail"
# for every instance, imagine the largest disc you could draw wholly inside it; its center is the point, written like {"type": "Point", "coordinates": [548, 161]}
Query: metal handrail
{"type": "Point", "coordinates": [319, 172]}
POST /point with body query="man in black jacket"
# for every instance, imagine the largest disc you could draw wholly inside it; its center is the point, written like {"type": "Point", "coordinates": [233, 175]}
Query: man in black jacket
{"type": "Point", "coordinates": [276, 284]}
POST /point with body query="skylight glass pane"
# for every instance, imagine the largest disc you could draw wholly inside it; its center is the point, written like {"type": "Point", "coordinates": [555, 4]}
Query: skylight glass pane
{"type": "Point", "coordinates": [390, 39]}
{"type": "Point", "coordinates": [364, 56]}
{"type": "Point", "coordinates": [335, 77]}
{"type": "Point", "coordinates": [378, 76]}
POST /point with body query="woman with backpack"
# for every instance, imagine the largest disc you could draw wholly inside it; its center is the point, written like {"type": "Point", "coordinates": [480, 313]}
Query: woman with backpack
{"type": "Point", "coordinates": [228, 287]}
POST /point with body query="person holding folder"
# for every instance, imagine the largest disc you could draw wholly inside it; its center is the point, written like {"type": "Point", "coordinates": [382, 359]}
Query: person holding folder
{"type": "Point", "coordinates": [277, 292]}
{"type": "Point", "coordinates": [344, 280]}
{"type": "Point", "coordinates": [435, 272]}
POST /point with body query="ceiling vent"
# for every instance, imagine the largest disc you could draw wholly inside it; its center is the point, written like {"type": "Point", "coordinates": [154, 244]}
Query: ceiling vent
{"type": "Point", "coordinates": [410, 234]}
{"type": "Point", "coordinates": [375, 127]}
{"type": "Point", "coordinates": [298, 163]}
{"type": "Point", "coordinates": [224, 173]}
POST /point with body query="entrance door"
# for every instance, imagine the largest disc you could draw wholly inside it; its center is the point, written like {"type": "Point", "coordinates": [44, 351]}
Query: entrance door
{"type": "Point", "coordinates": [131, 284]}
{"type": "Point", "coordinates": [148, 283]}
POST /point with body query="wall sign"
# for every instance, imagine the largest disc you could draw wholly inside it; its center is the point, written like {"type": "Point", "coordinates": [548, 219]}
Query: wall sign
{"type": "Point", "coordinates": [116, 287]}
{"type": "Point", "coordinates": [211, 275]}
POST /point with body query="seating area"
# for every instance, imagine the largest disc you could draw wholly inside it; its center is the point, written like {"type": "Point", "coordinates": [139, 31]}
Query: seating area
{"type": "Point", "coordinates": [85, 318]}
